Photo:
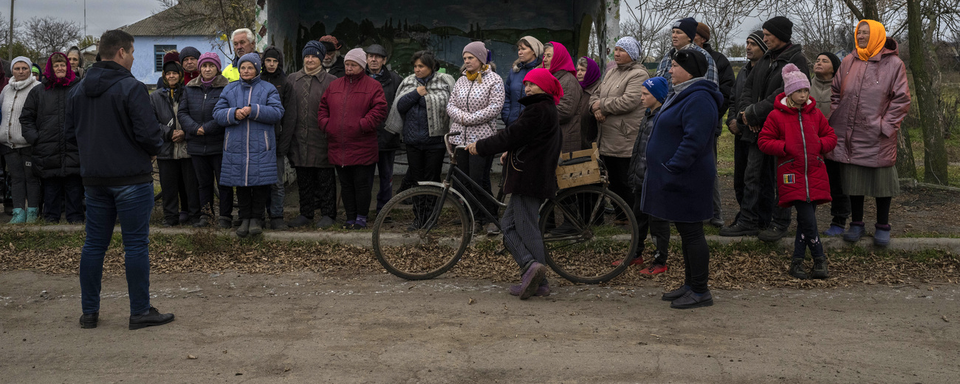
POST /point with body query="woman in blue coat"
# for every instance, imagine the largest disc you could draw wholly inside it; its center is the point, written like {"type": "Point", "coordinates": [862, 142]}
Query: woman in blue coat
{"type": "Point", "coordinates": [248, 110]}
{"type": "Point", "coordinates": [681, 167]}
{"type": "Point", "coordinates": [529, 52]}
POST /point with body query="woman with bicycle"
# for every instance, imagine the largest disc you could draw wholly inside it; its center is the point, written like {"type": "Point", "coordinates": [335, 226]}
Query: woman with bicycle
{"type": "Point", "coordinates": [475, 103]}
{"type": "Point", "coordinates": [532, 149]}
{"type": "Point", "coordinates": [678, 186]}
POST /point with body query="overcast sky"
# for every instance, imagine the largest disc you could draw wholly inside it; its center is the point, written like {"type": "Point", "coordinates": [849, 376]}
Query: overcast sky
{"type": "Point", "coordinates": [102, 15]}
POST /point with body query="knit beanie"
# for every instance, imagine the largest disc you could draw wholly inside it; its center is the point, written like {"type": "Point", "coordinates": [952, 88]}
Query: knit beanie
{"type": "Point", "coordinates": [632, 46]}
{"type": "Point", "coordinates": [189, 52]}
{"type": "Point", "coordinates": [692, 61]}
{"type": "Point", "coordinates": [210, 57]}
{"type": "Point", "coordinates": [477, 49]}
{"type": "Point", "coordinates": [704, 31]}
{"type": "Point", "coordinates": [172, 66]}
{"type": "Point", "coordinates": [357, 55]}
{"type": "Point", "coordinates": [688, 25]}
{"type": "Point", "coordinates": [253, 58]}
{"type": "Point", "coordinates": [833, 60]}
{"type": "Point", "coordinates": [793, 79]}
{"type": "Point", "coordinates": [657, 87]}
{"type": "Point", "coordinates": [171, 56]}
{"type": "Point", "coordinates": [546, 81]}
{"type": "Point", "coordinates": [315, 48]}
{"type": "Point", "coordinates": [757, 38]}
{"type": "Point", "coordinates": [19, 59]}
{"type": "Point", "coordinates": [35, 69]}
{"type": "Point", "coordinates": [781, 27]}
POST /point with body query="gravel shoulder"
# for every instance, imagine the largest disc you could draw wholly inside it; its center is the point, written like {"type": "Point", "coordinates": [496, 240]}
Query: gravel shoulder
{"type": "Point", "coordinates": [369, 327]}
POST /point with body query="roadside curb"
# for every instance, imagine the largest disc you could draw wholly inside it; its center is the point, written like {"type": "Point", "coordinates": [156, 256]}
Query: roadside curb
{"type": "Point", "coordinates": [363, 239]}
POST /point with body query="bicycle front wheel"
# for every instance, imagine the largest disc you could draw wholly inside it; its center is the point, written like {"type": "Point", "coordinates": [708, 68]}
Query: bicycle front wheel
{"type": "Point", "coordinates": [418, 237]}
{"type": "Point", "coordinates": [585, 242]}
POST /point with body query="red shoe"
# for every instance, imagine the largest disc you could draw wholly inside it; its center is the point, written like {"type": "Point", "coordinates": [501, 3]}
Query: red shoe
{"type": "Point", "coordinates": [637, 261]}
{"type": "Point", "coordinates": [654, 269]}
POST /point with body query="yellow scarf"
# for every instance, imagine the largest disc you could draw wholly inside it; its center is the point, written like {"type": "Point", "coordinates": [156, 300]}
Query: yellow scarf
{"type": "Point", "coordinates": [878, 37]}
{"type": "Point", "coordinates": [478, 75]}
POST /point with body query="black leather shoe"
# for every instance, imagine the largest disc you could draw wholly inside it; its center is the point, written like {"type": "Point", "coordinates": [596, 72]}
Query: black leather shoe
{"type": "Point", "coordinates": [693, 300]}
{"type": "Point", "coordinates": [739, 229]}
{"type": "Point", "coordinates": [152, 318]}
{"type": "Point", "coordinates": [675, 294]}
{"type": "Point", "coordinates": [774, 233]}
{"type": "Point", "coordinates": [89, 320]}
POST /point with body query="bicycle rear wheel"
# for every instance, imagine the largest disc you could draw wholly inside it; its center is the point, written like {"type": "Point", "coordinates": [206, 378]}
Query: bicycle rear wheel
{"type": "Point", "coordinates": [585, 243]}
{"type": "Point", "coordinates": [424, 239]}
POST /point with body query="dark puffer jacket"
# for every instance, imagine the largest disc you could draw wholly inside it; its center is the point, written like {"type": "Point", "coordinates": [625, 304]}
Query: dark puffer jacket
{"type": "Point", "coordinates": [766, 82]}
{"type": "Point", "coordinates": [388, 141]}
{"type": "Point", "coordinates": [43, 119]}
{"type": "Point", "coordinates": [196, 110]}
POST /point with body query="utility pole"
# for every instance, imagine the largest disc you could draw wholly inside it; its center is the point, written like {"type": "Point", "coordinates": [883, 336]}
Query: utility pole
{"type": "Point", "coordinates": [10, 41]}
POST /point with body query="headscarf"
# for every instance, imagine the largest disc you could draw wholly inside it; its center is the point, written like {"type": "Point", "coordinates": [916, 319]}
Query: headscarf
{"type": "Point", "coordinates": [593, 73]}
{"type": "Point", "coordinates": [547, 82]}
{"type": "Point", "coordinates": [632, 46]}
{"type": "Point", "coordinates": [52, 79]}
{"type": "Point", "coordinates": [878, 37]}
{"type": "Point", "coordinates": [535, 45]}
{"type": "Point", "coordinates": [561, 60]}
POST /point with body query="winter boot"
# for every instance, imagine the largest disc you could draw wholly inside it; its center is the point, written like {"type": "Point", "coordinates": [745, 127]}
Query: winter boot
{"type": "Point", "coordinates": [244, 228]}
{"type": "Point", "coordinates": [796, 269]}
{"type": "Point", "coordinates": [255, 228]}
{"type": "Point", "coordinates": [881, 237]}
{"type": "Point", "coordinates": [854, 233]}
{"type": "Point", "coordinates": [819, 270]}
{"type": "Point", "coordinates": [32, 215]}
{"type": "Point", "coordinates": [19, 216]}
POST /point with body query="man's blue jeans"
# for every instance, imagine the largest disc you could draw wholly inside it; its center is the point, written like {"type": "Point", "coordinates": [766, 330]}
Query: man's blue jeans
{"type": "Point", "coordinates": [133, 205]}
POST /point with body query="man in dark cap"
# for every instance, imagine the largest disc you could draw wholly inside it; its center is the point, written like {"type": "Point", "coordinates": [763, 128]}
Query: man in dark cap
{"type": "Point", "coordinates": [756, 101]}
{"type": "Point", "coordinates": [388, 142]}
{"type": "Point", "coordinates": [745, 147]}
{"type": "Point", "coordinates": [684, 31]}
{"type": "Point", "coordinates": [189, 57]}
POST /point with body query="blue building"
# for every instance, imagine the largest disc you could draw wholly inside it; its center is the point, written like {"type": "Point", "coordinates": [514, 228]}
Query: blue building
{"type": "Point", "coordinates": [154, 36]}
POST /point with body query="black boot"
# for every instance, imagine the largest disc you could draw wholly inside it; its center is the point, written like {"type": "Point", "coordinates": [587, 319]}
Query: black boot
{"type": "Point", "coordinates": [819, 270]}
{"type": "Point", "coordinates": [796, 269]}
{"type": "Point", "coordinates": [244, 228]}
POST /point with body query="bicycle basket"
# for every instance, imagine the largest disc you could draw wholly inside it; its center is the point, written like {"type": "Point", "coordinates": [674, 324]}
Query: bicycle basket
{"type": "Point", "coordinates": [578, 168]}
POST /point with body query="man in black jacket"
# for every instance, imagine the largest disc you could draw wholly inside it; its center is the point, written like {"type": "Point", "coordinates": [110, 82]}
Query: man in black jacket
{"type": "Point", "coordinates": [725, 73]}
{"type": "Point", "coordinates": [387, 142]}
{"type": "Point", "coordinates": [110, 118]}
{"type": "Point", "coordinates": [756, 101]}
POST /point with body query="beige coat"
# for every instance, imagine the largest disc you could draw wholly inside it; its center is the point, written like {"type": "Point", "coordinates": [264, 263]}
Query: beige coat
{"type": "Point", "coordinates": [569, 110]}
{"type": "Point", "coordinates": [619, 97]}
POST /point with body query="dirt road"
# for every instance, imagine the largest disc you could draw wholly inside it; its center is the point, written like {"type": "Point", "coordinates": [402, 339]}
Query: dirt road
{"type": "Point", "coordinates": [377, 328]}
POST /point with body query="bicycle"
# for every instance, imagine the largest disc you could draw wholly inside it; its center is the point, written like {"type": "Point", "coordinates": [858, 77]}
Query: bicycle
{"type": "Point", "coordinates": [583, 242]}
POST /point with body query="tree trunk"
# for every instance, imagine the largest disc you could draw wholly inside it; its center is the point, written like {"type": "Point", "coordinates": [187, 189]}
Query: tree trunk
{"type": "Point", "coordinates": [870, 10]}
{"type": "Point", "coordinates": [925, 69]}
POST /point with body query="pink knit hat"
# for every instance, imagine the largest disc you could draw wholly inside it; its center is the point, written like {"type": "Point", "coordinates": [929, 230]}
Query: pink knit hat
{"type": "Point", "coordinates": [210, 57]}
{"type": "Point", "coordinates": [356, 55]}
{"type": "Point", "coordinates": [794, 80]}
{"type": "Point", "coordinates": [478, 50]}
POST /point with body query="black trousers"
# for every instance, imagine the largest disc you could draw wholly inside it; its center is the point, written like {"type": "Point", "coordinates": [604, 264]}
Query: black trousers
{"type": "Point", "coordinates": [807, 235]}
{"type": "Point", "coordinates": [658, 228]}
{"type": "Point", "coordinates": [696, 256]}
{"type": "Point", "coordinates": [252, 201]}
{"type": "Point", "coordinates": [63, 191]}
{"type": "Point", "coordinates": [618, 169]}
{"type": "Point", "coordinates": [840, 206]}
{"type": "Point", "coordinates": [174, 176]}
{"type": "Point", "coordinates": [318, 190]}
{"type": "Point", "coordinates": [356, 189]}
{"type": "Point", "coordinates": [478, 168]}
{"type": "Point", "coordinates": [207, 169]}
{"type": "Point", "coordinates": [759, 190]}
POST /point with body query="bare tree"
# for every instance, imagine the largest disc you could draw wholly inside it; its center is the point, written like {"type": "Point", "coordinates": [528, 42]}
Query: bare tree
{"type": "Point", "coordinates": [823, 26]}
{"type": "Point", "coordinates": [47, 34]}
{"type": "Point", "coordinates": [737, 50]}
{"type": "Point", "coordinates": [648, 20]}
{"type": "Point", "coordinates": [224, 15]}
{"type": "Point", "coordinates": [724, 17]}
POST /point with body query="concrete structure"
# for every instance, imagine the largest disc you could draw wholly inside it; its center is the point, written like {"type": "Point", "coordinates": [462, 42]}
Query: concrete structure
{"type": "Point", "coordinates": [153, 36]}
{"type": "Point", "coordinates": [441, 26]}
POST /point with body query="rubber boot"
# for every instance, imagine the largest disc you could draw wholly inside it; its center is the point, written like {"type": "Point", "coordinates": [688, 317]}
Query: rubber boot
{"type": "Point", "coordinates": [19, 216]}
{"type": "Point", "coordinates": [32, 215]}
{"type": "Point", "coordinates": [255, 228]}
{"type": "Point", "coordinates": [244, 228]}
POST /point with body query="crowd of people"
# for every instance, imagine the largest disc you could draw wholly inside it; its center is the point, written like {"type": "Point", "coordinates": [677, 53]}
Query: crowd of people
{"type": "Point", "coordinates": [71, 132]}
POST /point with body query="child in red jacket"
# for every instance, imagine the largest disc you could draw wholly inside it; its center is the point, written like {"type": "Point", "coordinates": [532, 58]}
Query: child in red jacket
{"type": "Point", "coordinates": [798, 134]}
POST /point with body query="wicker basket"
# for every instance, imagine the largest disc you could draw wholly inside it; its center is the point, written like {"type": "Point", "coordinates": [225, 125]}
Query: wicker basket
{"type": "Point", "coordinates": [582, 168]}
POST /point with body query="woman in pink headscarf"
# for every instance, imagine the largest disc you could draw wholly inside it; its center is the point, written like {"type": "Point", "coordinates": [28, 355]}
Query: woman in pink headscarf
{"type": "Point", "coordinates": [557, 60]}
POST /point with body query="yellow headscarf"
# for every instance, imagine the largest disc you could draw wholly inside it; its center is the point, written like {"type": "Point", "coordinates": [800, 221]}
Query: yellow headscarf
{"type": "Point", "coordinates": [878, 37]}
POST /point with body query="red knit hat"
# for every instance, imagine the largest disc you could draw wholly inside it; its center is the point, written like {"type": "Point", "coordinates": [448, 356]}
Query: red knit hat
{"type": "Point", "coordinates": [171, 56]}
{"type": "Point", "coordinates": [547, 82]}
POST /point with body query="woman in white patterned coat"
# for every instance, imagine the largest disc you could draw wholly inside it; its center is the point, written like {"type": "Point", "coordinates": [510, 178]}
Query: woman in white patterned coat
{"type": "Point", "coordinates": [474, 106]}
